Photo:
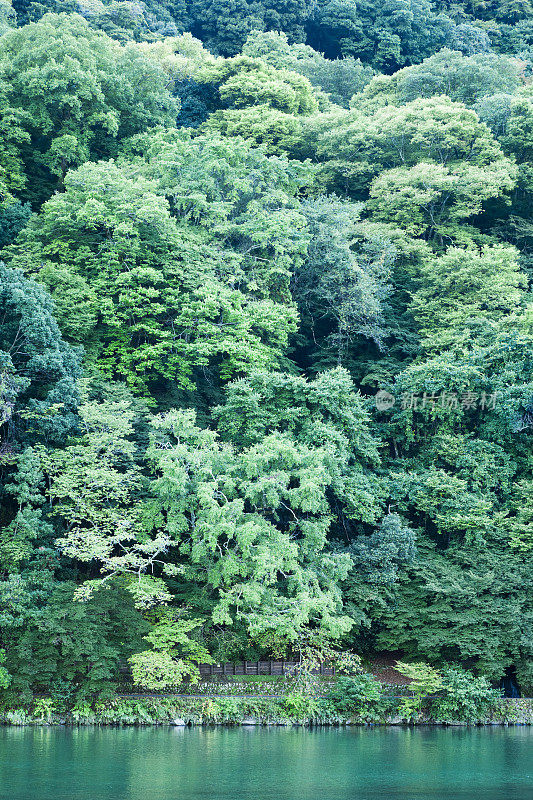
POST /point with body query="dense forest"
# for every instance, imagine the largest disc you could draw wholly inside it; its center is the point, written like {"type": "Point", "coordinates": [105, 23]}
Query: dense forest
{"type": "Point", "coordinates": [266, 336]}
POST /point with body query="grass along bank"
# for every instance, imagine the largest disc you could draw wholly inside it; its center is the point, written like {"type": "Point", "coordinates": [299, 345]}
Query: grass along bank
{"type": "Point", "coordinates": [360, 699]}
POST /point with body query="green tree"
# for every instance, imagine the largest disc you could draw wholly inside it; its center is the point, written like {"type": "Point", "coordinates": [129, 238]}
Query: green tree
{"type": "Point", "coordinates": [424, 680]}
{"type": "Point", "coordinates": [95, 487]}
{"type": "Point", "coordinates": [251, 511]}
{"type": "Point", "coordinates": [156, 297]}
{"type": "Point", "coordinates": [5, 677]}
{"type": "Point", "coordinates": [238, 523]}
{"type": "Point", "coordinates": [339, 78]}
{"type": "Point", "coordinates": [224, 24]}
{"type": "Point", "coordinates": [28, 523]}
{"type": "Point", "coordinates": [378, 559]}
{"type": "Point", "coordinates": [386, 36]}
{"type": "Point", "coordinates": [468, 605]}
{"type": "Point", "coordinates": [174, 654]}
{"type": "Point", "coordinates": [259, 102]}
{"type": "Point", "coordinates": [38, 370]}
{"type": "Point", "coordinates": [464, 294]}
{"type": "Point", "coordinates": [72, 650]}
{"type": "Point", "coordinates": [74, 92]}
{"type": "Point", "coordinates": [434, 142]}
{"type": "Point", "coordinates": [432, 200]}
{"type": "Point", "coordinates": [341, 285]}
{"type": "Point", "coordinates": [463, 696]}
{"type": "Point", "coordinates": [520, 521]}
{"type": "Point", "coordinates": [464, 79]}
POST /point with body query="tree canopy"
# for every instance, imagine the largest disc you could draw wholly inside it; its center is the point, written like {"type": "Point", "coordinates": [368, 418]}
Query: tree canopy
{"type": "Point", "coordinates": [266, 326]}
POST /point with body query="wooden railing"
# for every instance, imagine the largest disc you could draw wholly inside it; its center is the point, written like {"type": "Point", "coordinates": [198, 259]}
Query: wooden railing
{"type": "Point", "coordinates": [270, 667]}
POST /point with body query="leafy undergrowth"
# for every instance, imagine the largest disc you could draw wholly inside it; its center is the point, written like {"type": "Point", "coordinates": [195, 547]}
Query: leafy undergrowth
{"type": "Point", "coordinates": [292, 709]}
{"type": "Point", "coordinates": [451, 696]}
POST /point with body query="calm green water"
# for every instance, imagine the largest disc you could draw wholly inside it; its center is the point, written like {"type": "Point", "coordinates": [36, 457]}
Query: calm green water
{"type": "Point", "coordinates": [266, 764]}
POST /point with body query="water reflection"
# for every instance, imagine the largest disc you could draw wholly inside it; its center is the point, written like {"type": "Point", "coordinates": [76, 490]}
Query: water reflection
{"type": "Point", "coordinates": [266, 763]}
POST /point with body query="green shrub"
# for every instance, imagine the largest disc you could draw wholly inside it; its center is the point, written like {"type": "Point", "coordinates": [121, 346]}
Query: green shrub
{"type": "Point", "coordinates": [16, 716]}
{"type": "Point", "coordinates": [463, 697]}
{"type": "Point", "coordinates": [44, 709]}
{"type": "Point", "coordinates": [358, 694]}
{"type": "Point", "coordinates": [83, 713]}
{"type": "Point", "coordinates": [425, 681]}
{"type": "Point", "coordinates": [300, 706]}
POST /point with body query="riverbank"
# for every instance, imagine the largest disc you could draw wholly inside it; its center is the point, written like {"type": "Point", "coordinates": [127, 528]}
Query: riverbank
{"type": "Point", "coordinates": [258, 711]}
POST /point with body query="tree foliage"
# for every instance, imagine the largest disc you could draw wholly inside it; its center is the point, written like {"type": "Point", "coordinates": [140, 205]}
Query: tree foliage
{"type": "Point", "coordinates": [266, 326]}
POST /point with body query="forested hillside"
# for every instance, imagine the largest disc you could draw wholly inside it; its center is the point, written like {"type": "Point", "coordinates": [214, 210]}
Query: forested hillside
{"type": "Point", "coordinates": [266, 336]}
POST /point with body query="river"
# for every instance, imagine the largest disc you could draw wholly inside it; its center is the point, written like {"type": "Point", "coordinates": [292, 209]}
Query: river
{"type": "Point", "coordinates": [266, 763]}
